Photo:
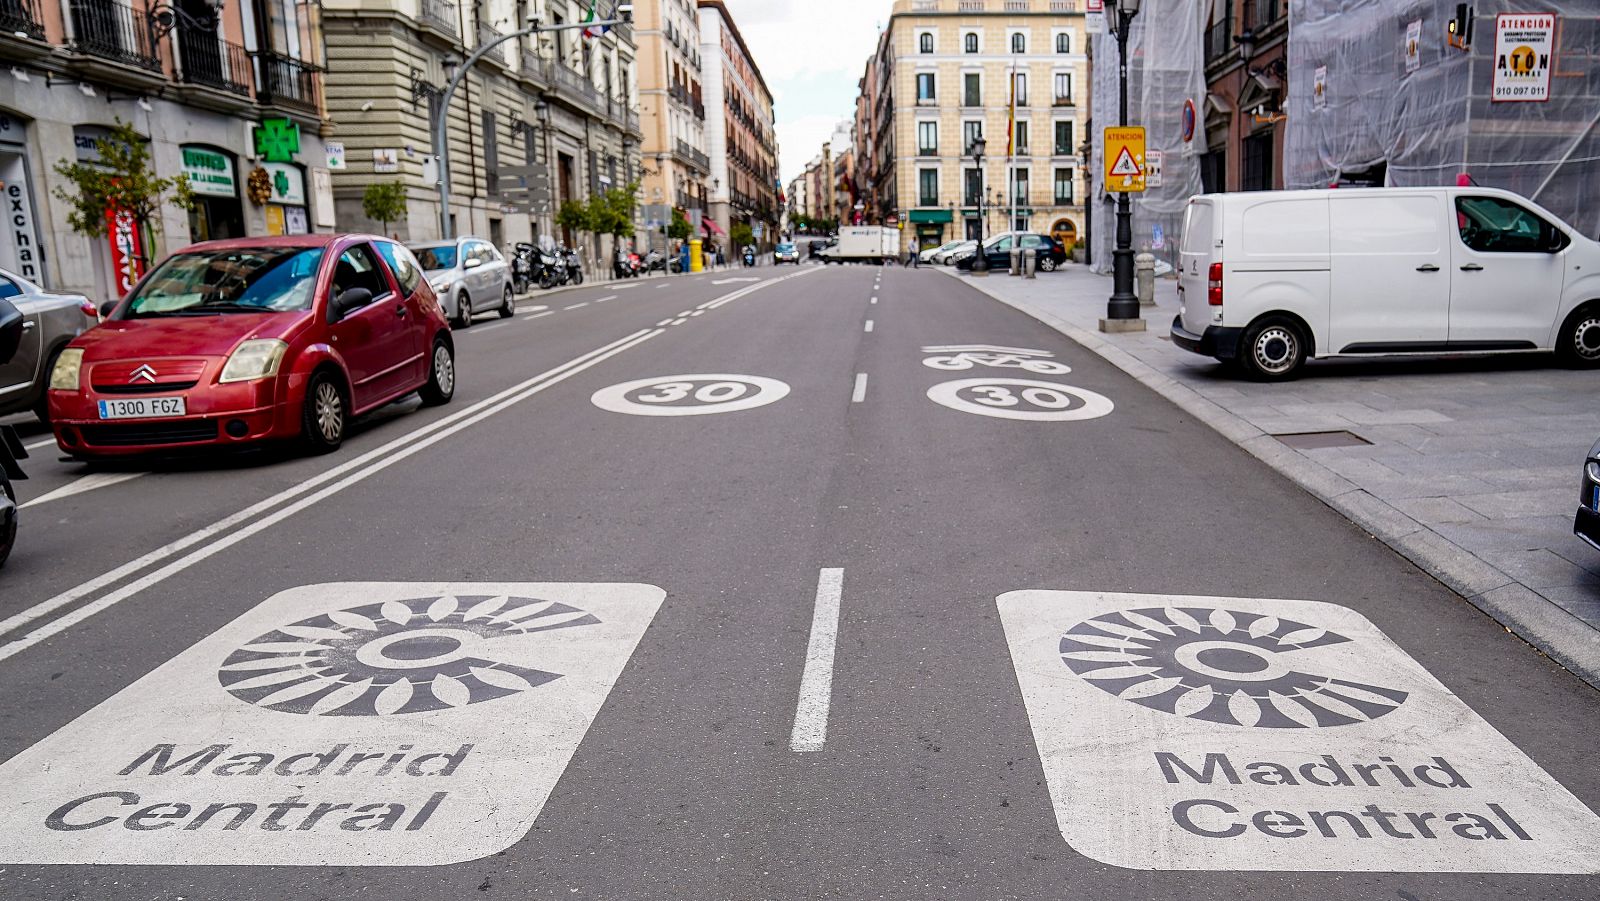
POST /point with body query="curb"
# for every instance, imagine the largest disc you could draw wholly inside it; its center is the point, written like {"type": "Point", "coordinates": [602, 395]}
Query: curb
{"type": "Point", "coordinates": [1551, 630]}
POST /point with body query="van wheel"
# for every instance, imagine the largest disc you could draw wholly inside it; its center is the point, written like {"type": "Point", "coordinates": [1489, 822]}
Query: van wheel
{"type": "Point", "coordinates": [1272, 350]}
{"type": "Point", "coordinates": [1579, 343]}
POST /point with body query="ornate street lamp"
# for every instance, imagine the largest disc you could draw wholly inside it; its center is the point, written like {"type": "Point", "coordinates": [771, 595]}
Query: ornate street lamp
{"type": "Point", "coordinates": [1124, 304]}
{"type": "Point", "coordinates": [980, 263]}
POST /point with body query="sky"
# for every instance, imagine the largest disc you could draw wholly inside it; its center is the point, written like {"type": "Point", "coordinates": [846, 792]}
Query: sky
{"type": "Point", "coordinates": [811, 53]}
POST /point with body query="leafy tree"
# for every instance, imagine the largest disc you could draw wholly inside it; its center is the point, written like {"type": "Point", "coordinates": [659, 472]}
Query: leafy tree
{"type": "Point", "coordinates": [573, 215]}
{"type": "Point", "coordinates": [679, 228]}
{"type": "Point", "coordinates": [384, 201]}
{"type": "Point", "coordinates": [123, 179]}
{"type": "Point", "coordinates": [741, 234]}
{"type": "Point", "coordinates": [620, 204]}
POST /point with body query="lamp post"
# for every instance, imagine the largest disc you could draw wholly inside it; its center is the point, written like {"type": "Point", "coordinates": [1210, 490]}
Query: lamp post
{"type": "Point", "coordinates": [1124, 304]}
{"type": "Point", "coordinates": [441, 147]}
{"type": "Point", "coordinates": [980, 262]}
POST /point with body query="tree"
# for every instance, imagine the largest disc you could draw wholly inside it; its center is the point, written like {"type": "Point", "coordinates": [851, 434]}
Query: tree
{"type": "Point", "coordinates": [573, 215]}
{"type": "Point", "coordinates": [384, 201]}
{"type": "Point", "coordinates": [741, 234]}
{"type": "Point", "coordinates": [620, 204]}
{"type": "Point", "coordinates": [679, 228]}
{"type": "Point", "coordinates": [124, 180]}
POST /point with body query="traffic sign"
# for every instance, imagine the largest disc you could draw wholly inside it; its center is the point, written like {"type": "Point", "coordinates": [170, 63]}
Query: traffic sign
{"type": "Point", "coordinates": [1124, 155]}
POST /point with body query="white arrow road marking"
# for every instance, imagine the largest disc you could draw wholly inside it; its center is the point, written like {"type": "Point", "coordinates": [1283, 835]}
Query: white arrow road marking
{"type": "Point", "coordinates": [729, 281]}
{"type": "Point", "coordinates": [816, 683]}
{"type": "Point", "coordinates": [79, 486]}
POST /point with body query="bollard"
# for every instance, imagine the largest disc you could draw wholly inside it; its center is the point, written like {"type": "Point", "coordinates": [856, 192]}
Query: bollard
{"type": "Point", "coordinates": [1030, 263]}
{"type": "Point", "coordinates": [1016, 260]}
{"type": "Point", "coordinates": [1144, 270]}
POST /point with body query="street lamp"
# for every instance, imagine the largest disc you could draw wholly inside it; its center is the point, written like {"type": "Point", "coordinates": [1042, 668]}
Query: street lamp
{"type": "Point", "coordinates": [980, 262]}
{"type": "Point", "coordinates": [1124, 304]}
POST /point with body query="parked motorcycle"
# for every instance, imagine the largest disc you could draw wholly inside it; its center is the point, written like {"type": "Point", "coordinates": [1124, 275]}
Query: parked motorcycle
{"type": "Point", "coordinates": [11, 449]}
{"type": "Point", "coordinates": [574, 266]}
{"type": "Point", "coordinates": [625, 265]}
{"type": "Point", "coordinates": [655, 261]}
{"type": "Point", "coordinates": [749, 256]}
{"type": "Point", "coordinates": [523, 266]}
{"type": "Point", "coordinates": [552, 267]}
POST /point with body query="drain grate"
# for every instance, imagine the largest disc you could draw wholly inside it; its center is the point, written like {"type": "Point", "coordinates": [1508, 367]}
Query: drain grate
{"type": "Point", "coordinates": [1314, 440]}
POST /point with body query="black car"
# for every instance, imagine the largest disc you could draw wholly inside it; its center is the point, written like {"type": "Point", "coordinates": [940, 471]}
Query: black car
{"type": "Point", "coordinates": [817, 247]}
{"type": "Point", "coordinates": [1587, 525]}
{"type": "Point", "coordinates": [1051, 253]}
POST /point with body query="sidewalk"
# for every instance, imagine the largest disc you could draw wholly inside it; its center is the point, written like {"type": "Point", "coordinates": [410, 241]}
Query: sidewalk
{"type": "Point", "coordinates": [1471, 471]}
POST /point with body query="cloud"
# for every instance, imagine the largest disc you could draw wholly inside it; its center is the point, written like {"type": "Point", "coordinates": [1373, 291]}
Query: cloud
{"type": "Point", "coordinates": [800, 139]}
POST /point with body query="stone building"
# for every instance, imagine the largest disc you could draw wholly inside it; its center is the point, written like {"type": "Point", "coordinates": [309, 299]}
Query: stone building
{"type": "Point", "coordinates": [677, 169]}
{"type": "Point", "coordinates": [740, 133]}
{"type": "Point", "coordinates": [200, 79]}
{"type": "Point", "coordinates": [560, 107]}
{"type": "Point", "coordinates": [948, 70]}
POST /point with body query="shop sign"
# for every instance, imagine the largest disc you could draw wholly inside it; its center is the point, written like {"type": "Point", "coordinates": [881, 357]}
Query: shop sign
{"type": "Point", "coordinates": [127, 254]}
{"type": "Point", "coordinates": [1524, 48]}
{"type": "Point", "coordinates": [294, 220]}
{"type": "Point", "coordinates": [385, 159]}
{"type": "Point", "coordinates": [277, 140]}
{"type": "Point", "coordinates": [19, 252]}
{"type": "Point", "coordinates": [335, 151]}
{"type": "Point", "coordinates": [210, 172]}
{"type": "Point", "coordinates": [288, 183]}
{"type": "Point", "coordinates": [274, 219]}
{"type": "Point", "coordinates": [83, 142]}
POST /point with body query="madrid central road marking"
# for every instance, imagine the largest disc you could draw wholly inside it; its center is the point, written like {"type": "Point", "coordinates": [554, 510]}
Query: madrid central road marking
{"type": "Point", "coordinates": [385, 724]}
{"type": "Point", "coordinates": [259, 516]}
{"type": "Point", "coordinates": [1199, 733]}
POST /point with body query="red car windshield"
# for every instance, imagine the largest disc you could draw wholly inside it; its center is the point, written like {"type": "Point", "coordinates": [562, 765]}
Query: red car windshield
{"type": "Point", "coordinates": [247, 280]}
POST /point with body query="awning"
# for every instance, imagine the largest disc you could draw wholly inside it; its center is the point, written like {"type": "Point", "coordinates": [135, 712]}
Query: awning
{"type": "Point", "coordinates": [712, 227]}
{"type": "Point", "coordinates": [931, 216]}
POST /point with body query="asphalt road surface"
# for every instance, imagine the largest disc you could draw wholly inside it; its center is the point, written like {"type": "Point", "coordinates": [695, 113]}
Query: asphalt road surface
{"type": "Point", "coordinates": [770, 584]}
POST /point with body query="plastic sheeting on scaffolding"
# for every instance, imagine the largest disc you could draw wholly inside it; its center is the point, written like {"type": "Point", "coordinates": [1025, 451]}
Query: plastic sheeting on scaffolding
{"type": "Point", "coordinates": [1376, 91]}
{"type": "Point", "coordinates": [1166, 91]}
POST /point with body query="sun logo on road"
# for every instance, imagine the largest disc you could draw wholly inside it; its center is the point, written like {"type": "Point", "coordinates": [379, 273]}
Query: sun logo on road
{"type": "Point", "coordinates": [395, 657]}
{"type": "Point", "coordinates": [1220, 666]}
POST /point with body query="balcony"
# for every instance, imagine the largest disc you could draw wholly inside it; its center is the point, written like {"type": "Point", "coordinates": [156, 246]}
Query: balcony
{"type": "Point", "coordinates": [285, 82]}
{"type": "Point", "coordinates": [574, 88]}
{"type": "Point", "coordinates": [487, 36]}
{"type": "Point", "coordinates": [633, 122]}
{"type": "Point", "coordinates": [441, 16]}
{"type": "Point", "coordinates": [1219, 36]}
{"type": "Point", "coordinates": [688, 154]}
{"type": "Point", "coordinates": [20, 17]}
{"type": "Point", "coordinates": [114, 31]}
{"type": "Point", "coordinates": [206, 60]}
{"type": "Point", "coordinates": [1063, 6]}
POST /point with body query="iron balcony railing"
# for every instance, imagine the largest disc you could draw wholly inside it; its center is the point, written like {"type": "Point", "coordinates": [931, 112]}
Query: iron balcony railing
{"type": "Point", "coordinates": [21, 17]}
{"type": "Point", "coordinates": [633, 120]}
{"type": "Point", "coordinates": [531, 64]}
{"type": "Point", "coordinates": [575, 87]}
{"type": "Point", "coordinates": [115, 31]}
{"type": "Point", "coordinates": [487, 36]}
{"type": "Point", "coordinates": [287, 82]}
{"type": "Point", "coordinates": [694, 157]}
{"type": "Point", "coordinates": [206, 59]}
{"type": "Point", "coordinates": [1219, 35]}
{"type": "Point", "coordinates": [441, 14]}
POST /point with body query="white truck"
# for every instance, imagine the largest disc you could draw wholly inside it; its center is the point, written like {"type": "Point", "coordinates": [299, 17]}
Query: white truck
{"type": "Point", "coordinates": [864, 244]}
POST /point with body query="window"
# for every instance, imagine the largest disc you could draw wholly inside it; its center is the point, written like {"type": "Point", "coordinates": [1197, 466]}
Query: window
{"type": "Point", "coordinates": [1257, 175]}
{"type": "Point", "coordinates": [928, 187]}
{"type": "Point", "coordinates": [1063, 146]}
{"type": "Point", "coordinates": [404, 266]}
{"type": "Point", "coordinates": [1063, 43]}
{"type": "Point", "coordinates": [1063, 187]}
{"type": "Point", "coordinates": [925, 86]}
{"type": "Point", "coordinates": [1214, 172]}
{"type": "Point", "coordinates": [970, 42]}
{"type": "Point", "coordinates": [970, 131]}
{"type": "Point", "coordinates": [357, 269]}
{"type": "Point", "coordinates": [927, 138]}
{"type": "Point", "coordinates": [1019, 135]}
{"type": "Point", "coordinates": [1019, 224]}
{"type": "Point", "coordinates": [8, 288]}
{"type": "Point", "coordinates": [972, 89]}
{"type": "Point", "coordinates": [1019, 43]}
{"type": "Point", "coordinates": [925, 42]}
{"type": "Point", "coordinates": [972, 187]}
{"type": "Point", "coordinates": [1493, 225]}
{"type": "Point", "coordinates": [1019, 186]}
{"type": "Point", "coordinates": [1021, 88]}
{"type": "Point", "coordinates": [1063, 86]}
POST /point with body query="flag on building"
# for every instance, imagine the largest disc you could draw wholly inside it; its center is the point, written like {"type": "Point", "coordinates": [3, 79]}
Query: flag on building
{"type": "Point", "coordinates": [593, 31]}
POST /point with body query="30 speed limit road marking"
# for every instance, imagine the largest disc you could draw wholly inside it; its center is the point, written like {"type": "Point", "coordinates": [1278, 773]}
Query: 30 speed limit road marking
{"type": "Point", "coordinates": [690, 395]}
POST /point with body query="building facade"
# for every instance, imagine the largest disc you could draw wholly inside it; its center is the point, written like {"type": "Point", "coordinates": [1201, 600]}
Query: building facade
{"type": "Point", "coordinates": [954, 70]}
{"type": "Point", "coordinates": [540, 120]}
{"type": "Point", "coordinates": [677, 169]}
{"type": "Point", "coordinates": [200, 80]}
{"type": "Point", "coordinates": [1246, 81]}
{"type": "Point", "coordinates": [740, 132]}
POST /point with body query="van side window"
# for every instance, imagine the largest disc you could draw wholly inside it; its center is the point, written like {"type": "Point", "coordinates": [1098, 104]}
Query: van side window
{"type": "Point", "coordinates": [1495, 225]}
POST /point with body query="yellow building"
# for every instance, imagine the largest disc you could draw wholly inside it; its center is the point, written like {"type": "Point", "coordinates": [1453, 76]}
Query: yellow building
{"type": "Point", "coordinates": [951, 70]}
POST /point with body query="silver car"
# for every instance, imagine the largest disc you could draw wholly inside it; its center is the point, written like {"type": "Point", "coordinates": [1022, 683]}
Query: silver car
{"type": "Point", "coordinates": [49, 322]}
{"type": "Point", "coordinates": [469, 275]}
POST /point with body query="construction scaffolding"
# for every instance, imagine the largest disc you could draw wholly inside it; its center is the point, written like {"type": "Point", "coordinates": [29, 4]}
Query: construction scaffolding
{"type": "Point", "coordinates": [1376, 98]}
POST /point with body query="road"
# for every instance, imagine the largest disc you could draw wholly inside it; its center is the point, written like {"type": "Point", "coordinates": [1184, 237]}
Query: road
{"type": "Point", "coordinates": [783, 614]}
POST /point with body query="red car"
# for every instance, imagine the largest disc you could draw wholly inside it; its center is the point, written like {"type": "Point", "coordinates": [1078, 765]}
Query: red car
{"type": "Point", "coordinates": [248, 340]}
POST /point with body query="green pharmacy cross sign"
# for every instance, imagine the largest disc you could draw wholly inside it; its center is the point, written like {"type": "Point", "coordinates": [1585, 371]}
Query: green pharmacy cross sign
{"type": "Point", "coordinates": [277, 140]}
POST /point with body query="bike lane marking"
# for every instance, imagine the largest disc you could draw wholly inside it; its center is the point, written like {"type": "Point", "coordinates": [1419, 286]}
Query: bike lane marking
{"type": "Point", "coordinates": [1201, 733]}
{"type": "Point", "coordinates": [347, 724]}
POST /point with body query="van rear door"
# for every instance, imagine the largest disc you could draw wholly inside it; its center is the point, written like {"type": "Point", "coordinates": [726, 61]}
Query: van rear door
{"type": "Point", "coordinates": [1196, 253]}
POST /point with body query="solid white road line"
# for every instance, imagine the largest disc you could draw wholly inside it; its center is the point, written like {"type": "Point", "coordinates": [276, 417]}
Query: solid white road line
{"type": "Point", "coordinates": [489, 328]}
{"type": "Point", "coordinates": [869, 326]}
{"type": "Point", "coordinates": [61, 624]}
{"type": "Point", "coordinates": [606, 298]}
{"type": "Point", "coordinates": [816, 683]}
{"type": "Point", "coordinates": [86, 483]}
{"type": "Point", "coordinates": [255, 510]}
{"type": "Point", "coordinates": [537, 315]}
{"type": "Point", "coordinates": [38, 444]}
{"type": "Point", "coordinates": [860, 394]}
{"type": "Point", "coordinates": [576, 306]}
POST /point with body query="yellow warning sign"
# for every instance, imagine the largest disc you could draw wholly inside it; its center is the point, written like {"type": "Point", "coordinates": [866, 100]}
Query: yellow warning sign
{"type": "Point", "coordinates": [1124, 155]}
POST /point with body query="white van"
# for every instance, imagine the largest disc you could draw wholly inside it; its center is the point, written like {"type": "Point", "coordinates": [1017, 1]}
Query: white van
{"type": "Point", "coordinates": [1269, 278]}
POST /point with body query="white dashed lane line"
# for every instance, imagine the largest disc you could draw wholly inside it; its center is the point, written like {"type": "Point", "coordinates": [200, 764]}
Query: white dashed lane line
{"type": "Point", "coordinates": [537, 315]}
{"type": "Point", "coordinates": [869, 326]}
{"type": "Point", "coordinates": [860, 392]}
{"type": "Point", "coordinates": [576, 306]}
{"type": "Point", "coordinates": [816, 682]}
